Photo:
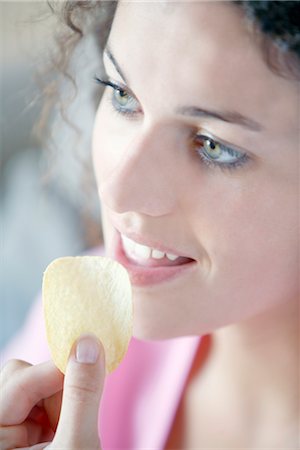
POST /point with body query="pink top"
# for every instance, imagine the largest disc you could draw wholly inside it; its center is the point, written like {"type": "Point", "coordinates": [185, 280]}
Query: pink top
{"type": "Point", "coordinates": [140, 397]}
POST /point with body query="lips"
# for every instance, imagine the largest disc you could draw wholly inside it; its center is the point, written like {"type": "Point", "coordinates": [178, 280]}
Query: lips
{"type": "Point", "coordinates": [149, 265]}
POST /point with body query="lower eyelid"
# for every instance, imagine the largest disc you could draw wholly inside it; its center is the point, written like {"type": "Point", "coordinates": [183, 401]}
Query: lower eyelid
{"type": "Point", "coordinates": [241, 159]}
{"type": "Point", "coordinates": [235, 165]}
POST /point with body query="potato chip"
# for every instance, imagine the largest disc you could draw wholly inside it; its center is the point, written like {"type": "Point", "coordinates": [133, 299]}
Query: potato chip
{"type": "Point", "coordinates": [88, 294]}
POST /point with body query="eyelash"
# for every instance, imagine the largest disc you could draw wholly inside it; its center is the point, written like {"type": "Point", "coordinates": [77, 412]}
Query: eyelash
{"type": "Point", "coordinates": [240, 162]}
{"type": "Point", "coordinates": [117, 88]}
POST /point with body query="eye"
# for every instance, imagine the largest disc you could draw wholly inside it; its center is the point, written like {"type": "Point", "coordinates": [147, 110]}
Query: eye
{"type": "Point", "coordinates": [216, 154]}
{"type": "Point", "coordinates": [123, 101]}
{"type": "Point", "coordinates": [212, 148]}
{"type": "Point", "coordinates": [121, 97]}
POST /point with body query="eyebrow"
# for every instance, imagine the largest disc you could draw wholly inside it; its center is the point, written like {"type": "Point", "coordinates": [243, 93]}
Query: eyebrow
{"type": "Point", "coordinates": [233, 117]}
{"type": "Point", "coordinates": [225, 116]}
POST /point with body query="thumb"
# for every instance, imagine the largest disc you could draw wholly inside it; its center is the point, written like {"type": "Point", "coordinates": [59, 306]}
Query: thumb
{"type": "Point", "coordinates": [83, 386]}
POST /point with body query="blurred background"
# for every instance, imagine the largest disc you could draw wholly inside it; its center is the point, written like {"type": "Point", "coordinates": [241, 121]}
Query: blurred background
{"type": "Point", "coordinates": [48, 202]}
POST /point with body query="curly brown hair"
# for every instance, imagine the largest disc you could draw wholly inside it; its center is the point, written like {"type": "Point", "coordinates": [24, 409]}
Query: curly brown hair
{"type": "Point", "coordinates": [76, 19]}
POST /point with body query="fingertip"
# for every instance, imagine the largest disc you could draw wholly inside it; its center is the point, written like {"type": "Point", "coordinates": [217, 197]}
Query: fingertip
{"type": "Point", "coordinates": [88, 350]}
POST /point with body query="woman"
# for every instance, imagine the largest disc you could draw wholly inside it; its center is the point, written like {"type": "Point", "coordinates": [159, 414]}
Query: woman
{"type": "Point", "coordinates": [196, 157]}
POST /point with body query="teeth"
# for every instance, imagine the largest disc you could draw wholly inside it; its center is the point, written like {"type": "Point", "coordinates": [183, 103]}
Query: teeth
{"type": "Point", "coordinates": [171, 256]}
{"type": "Point", "coordinates": [132, 248]}
{"type": "Point", "coordinates": [157, 254]}
{"type": "Point", "coordinates": [128, 245]}
{"type": "Point", "coordinates": [142, 251]}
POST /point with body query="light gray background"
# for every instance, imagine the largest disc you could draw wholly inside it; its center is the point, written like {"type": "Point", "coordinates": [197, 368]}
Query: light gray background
{"type": "Point", "coordinates": [39, 221]}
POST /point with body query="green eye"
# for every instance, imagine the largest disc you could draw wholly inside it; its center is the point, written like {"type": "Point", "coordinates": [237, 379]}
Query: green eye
{"type": "Point", "coordinates": [121, 97]}
{"type": "Point", "coordinates": [123, 102]}
{"type": "Point", "coordinates": [216, 154]}
{"type": "Point", "coordinates": [212, 149]}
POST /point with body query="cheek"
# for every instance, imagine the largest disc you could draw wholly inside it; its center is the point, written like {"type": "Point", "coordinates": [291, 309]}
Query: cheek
{"type": "Point", "coordinates": [256, 250]}
{"type": "Point", "coordinates": [111, 139]}
{"type": "Point", "coordinates": [101, 145]}
{"type": "Point", "coordinates": [249, 231]}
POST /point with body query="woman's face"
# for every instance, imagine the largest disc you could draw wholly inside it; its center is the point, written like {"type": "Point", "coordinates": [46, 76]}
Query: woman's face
{"type": "Point", "coordinates": [196, 155]}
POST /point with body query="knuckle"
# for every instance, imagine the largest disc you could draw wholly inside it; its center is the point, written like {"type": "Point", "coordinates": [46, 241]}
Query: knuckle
{"type": "Point", "coordinates": [9, 369]}
{"type": "Point", "coordinates": [82, 387]}
{"type": "Point", "coordinates": [14, 390]}
{"type": "Point", "coordinates": [81, 393]}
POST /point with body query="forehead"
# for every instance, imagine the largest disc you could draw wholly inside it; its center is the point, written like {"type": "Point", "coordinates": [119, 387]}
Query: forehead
{"type": "Point", "coordinates": [187, 29]}
{"type": "Point", "coordinates": [204, 47]}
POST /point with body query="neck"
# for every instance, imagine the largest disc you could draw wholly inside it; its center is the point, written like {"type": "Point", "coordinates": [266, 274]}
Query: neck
{"type": "Point", "coordinates": [267, 345]}
{"type": "Point", "coordinates": [254, 369]}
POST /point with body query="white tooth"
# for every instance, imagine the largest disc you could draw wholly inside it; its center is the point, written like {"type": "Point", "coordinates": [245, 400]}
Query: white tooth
{"type": "Point", "coordinates": [142, 251]}
{"type": "Point", "coordinates": [171, 256]}
{"type": "Point", "coordinates": [128, 244]}
{"type": "Point", "coordinates": [157, 254]}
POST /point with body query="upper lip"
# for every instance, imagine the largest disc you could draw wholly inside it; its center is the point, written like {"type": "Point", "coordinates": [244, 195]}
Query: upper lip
{"type": "Point", "coordinates": [141, 239]}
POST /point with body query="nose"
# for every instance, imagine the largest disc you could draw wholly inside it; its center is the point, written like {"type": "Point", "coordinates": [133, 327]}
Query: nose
{"type": "Point", "coordinates": [144, 177]}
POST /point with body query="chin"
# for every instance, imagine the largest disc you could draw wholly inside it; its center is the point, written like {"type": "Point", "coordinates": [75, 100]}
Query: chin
{"type": "Point", "coordinates": [145, 329]}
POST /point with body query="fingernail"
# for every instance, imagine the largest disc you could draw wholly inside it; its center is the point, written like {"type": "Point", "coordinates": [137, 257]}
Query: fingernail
{"type": "Point", "coordinates": [87, 350]}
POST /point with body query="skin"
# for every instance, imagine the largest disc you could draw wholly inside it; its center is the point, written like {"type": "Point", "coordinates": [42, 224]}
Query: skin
{"type": "Point", "coordinates": [241, 226]}
{"type": "Point", "coordinates": [41, 408]}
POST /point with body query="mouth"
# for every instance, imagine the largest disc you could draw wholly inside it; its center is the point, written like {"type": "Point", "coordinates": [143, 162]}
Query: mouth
{"type": "Point", "coordinates": [150, 265]}
{"type": "Point", "coordinates": [146, 256]}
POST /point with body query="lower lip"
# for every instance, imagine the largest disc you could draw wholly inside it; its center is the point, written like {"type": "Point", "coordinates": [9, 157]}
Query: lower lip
{"type": "Point", "coordinates": [146, 276]}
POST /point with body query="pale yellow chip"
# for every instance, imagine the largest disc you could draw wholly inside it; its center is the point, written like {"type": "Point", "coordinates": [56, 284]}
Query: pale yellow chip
{"type": "Point", "coordinates": [88, 294]}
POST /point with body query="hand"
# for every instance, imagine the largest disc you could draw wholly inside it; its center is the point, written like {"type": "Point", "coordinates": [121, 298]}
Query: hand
{"type": "Point", "coordinates": [40, 407]}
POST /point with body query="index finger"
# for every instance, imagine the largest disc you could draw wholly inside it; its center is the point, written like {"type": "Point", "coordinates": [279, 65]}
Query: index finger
{"type": "Point", "coordinates": [26, 388]}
